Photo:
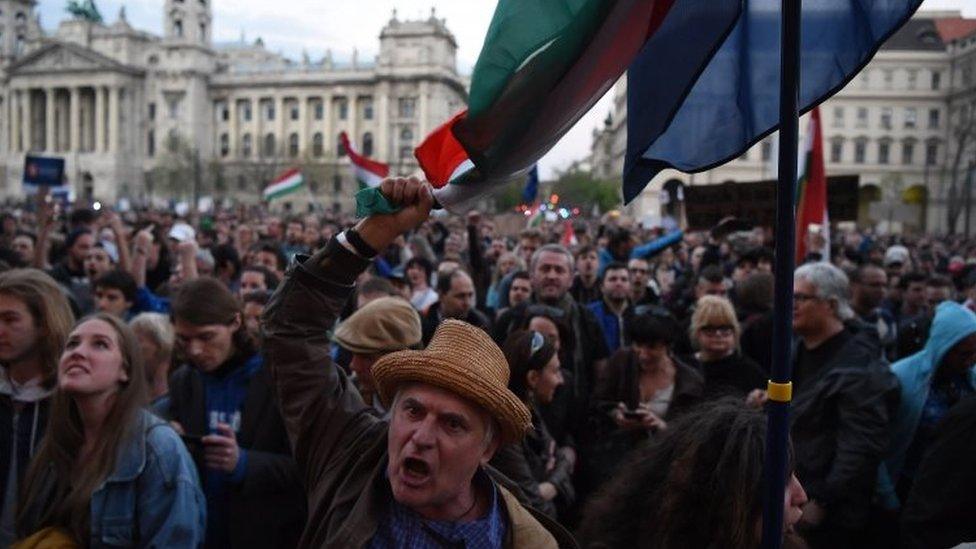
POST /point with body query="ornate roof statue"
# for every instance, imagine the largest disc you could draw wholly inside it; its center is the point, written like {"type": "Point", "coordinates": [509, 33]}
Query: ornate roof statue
{"type": "Point", "coordinates": [84, 9]}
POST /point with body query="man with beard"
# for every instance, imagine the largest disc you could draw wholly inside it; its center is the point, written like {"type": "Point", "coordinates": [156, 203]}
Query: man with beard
{"type": "Point", "coordinates": [419, 479]}
{"type": "Point", "coordinates": [614, 307]}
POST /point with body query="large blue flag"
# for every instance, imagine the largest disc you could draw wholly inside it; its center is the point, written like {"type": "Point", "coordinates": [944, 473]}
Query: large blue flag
{"type": "Point", "coordinates": [531, 190]}
{"type": "Point", "coordinates": [734, 102]}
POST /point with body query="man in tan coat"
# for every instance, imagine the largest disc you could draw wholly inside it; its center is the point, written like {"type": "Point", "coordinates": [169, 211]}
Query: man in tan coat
{"type": "Point", "coordinates": [420, 479]}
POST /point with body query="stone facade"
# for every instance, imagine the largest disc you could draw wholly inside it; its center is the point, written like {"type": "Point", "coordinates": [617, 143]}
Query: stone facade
{"type": "Point", "coordinates": [896, 125]}
{"type": "Point", "coordinates": [151, 118]}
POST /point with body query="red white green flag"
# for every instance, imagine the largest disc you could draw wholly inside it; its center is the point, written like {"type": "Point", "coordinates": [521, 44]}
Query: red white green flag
{"type": "Point", "coordinates": [369, 173]}
{"type": "Point", "coordinates": [286, 183]}
{"type": "Point", "coordinates": [811, 211]}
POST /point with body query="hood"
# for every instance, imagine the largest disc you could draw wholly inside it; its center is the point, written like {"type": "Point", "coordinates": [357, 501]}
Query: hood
{"type": "Point", "coordinates": [952, 323]}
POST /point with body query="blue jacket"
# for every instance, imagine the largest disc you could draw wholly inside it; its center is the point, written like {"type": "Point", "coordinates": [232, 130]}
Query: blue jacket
{"type": "Point", "coordinates": [613, 325]}
{"type": "Point", "coordinates": [645, 250]}
{"type": "Point", "coordinates": [952, 323]}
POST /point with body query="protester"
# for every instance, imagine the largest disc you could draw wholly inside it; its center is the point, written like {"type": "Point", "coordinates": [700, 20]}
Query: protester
{"type": "Point", "coordinates": [380, 327]}
{"type": "Point", "coordinates": [253, 307]}
{"type": "Point", "coordinates": [256, 279]}
{"type": "Point", "coordinates": [223, 401]}
{"type": "Point", "coordinates": [156, 342]}
{"type": "Point", "coordinates": [455, 299]}
{"type": "Point", "coordinates": [586, 282]}
{"type": "Point", "coordinates": [35, 320]}
{"type": "Point", "coordinates": [417, 480]}
{"type": "Point", "coordinates": [419, 272]}
{"type": "Point", "coordinates": [868, 284]}
{"type": "Point", "coordinates": [520, 290]}
{"type": "Point", "coordinates": [699, 484]}
{"type": "Point", "coordinates": [844, 399]}
{"type": "Point", "coordinates": [115, 293]}
{"type": "Point", "coordinates": [715, 335]}
{"type": "Point", "coordinates": [611, 310]}
{"type": "Point", "coordinates": [108, 473]}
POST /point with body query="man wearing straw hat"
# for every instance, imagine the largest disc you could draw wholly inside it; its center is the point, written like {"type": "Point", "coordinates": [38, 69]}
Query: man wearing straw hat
{"type": "Point", "coordinates": [419, 479]}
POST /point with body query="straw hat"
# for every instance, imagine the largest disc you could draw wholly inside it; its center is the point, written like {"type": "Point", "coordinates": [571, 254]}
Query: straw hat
{"type": "Point", "coordinates": [382, 325]}
{"type": "Point", "coordinates": [464, 360]}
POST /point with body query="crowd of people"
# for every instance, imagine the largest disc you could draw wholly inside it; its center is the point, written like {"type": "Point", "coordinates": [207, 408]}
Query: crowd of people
{"type": "Point", "coordinates": [243, 379]}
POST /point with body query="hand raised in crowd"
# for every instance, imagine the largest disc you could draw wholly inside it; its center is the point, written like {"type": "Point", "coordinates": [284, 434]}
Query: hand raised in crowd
{"type": "Point", "coordinates": [144, 238]}
{"type": "Point", "coordinates": [415, 199]}
{"type": "Point", "coordinates": [757, 398]}
{"type": "Point", "coordinates": [221, 451]}
{"type": "Point", "coordinates": [474, 218]}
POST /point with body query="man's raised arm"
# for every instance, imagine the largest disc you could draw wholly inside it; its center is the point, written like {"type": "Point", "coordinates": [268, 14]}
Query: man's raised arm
{"type": "Point", "coordinates": [318, 403]}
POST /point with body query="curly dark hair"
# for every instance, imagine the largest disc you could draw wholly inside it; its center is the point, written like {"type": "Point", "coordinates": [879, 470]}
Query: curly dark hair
{"type": "Point", "coordinates": [699, 484]}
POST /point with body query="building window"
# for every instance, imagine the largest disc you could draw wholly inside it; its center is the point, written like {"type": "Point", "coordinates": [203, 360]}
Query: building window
{"type": "Point", "coordinates": [19, 46]}
{"type": "Point", "coordinates": [838, 117]}
{"type": "Point", "coordinates": [931, 153]}
{"type": "Point", "coordinates": [934, 121]}
{"type": "Point", "coordinates": [269, 112]}
{"type": "Point", "coordinates": [911, 118]}
{"type": "Point", "coordinates": [294, 111]}
{"type": "Point", "coordinates": [912, 79]}
{"type": "Point", "coordinates": [178, 28]}
{"type": "Point", "coordinates": [836, 151]}
{"type": "Point", "coordinates": [406, 153]}
{"type": "Point", "coordinates": [343, 109]}
{"type": "Point", "coordinates": [884, 152]}
{"type": "Point", "coordinates": [406, 107]}
{"type": "Point", "coordinates": [866, 78]}
{"type": "Point", "coordinates": [152, 111]}
{"type": "Point", "coordinates": [174, 107]}
{"type": "Point", "coordinates": [241, 183]}
{"type": "Point", "coordinates": [246, 110]}
{"type": "Point", "coordinates": [224, 112]}
{"type": "Point", "coordinates": [337, 184]}
{"type": "Point", "coordinates": [203, 32]}
{"type": "Point", "coordinates": [340, 150]}
{"type": "Point", "coordinates": [744, 157]}
{"type": "Point", "coordinates": [886, 118]}
{"type": "Point", "coordinates": [859, 148]}
{"type": "Point", "coordinates": [889, 78]}
{"type": "Point", "coordinates": [293, 145]}
{"type": "Point", "coordinates": [246, 146]}
{"type": "Point", "coordinates": [319, 110]}
{"type": "Point", "coordinates": [367, 108]}
{"type": "Point", "coordinates": [269, 144]}
{"type": "Point", "coordinates": [907, 152]}
{"type": "Point", "coordinates": [318, 145]}
{"type": "Point", "coordinates": [151, 143]}
{"type": "Point", "coordinates": [862, 117]}
{"type": "Point", "coordinates": [936, 80]}
{"type": "Point", "coordinates": [224, 144]}
{"type": "Point", "coordinates": [367, 144]}
{"type": "Point", "coordinates": [406, 135]}
{"type": "Point", "coordinates": [766, 151]}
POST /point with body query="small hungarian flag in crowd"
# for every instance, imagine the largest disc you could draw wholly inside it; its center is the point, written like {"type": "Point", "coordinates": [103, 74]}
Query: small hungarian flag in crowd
{"type": "Point", "coordinates": [544, 63]}
{"type": "Point", "coordinates": [286, 183]}
{"type": "Point", "coordinates": [693, 106]}
{"type": "Point", "coordinates": [369, 173]}
{"type": "Point", "coordinates": [812, 193]}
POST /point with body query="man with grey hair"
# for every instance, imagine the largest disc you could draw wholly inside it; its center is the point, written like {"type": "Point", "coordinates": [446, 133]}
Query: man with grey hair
{"type": "Point", "coordinates": [843, 400]}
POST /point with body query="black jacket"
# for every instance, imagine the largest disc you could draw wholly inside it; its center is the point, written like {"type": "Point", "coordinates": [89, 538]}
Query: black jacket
{"type": "Point", "coordinates": [31, 425]}
{"type": "Point", "coordinates": [840, 417]}
{"type": "Point", "coordinates": [735, 375]}
{"type": "Point", "coordinates": [433, 319]}
{"type": "Point", "coordinates": [940, 508]}
{"type": "Point", "coordinates": [267, 509]}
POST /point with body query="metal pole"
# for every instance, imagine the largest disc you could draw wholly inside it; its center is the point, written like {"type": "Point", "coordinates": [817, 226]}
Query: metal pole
{"type": "Point", "coordinates": [777, 434]}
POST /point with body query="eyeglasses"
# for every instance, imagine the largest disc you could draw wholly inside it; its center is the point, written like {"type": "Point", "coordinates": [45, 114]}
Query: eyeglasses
{"type": "Point", "coordinates": [653, 310]}
{"type": "Point", "coordinates": [803, 298]}
{"type": "Point", "coordinates": [717, 330]}
{"type": "Point", "coordinates": [538, 340]}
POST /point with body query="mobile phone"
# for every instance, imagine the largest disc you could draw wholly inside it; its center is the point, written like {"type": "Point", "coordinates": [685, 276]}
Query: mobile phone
{"type": "Point", "coordinates": [633, 414]}
{"type": "Point", "coordinates": [192, 441]}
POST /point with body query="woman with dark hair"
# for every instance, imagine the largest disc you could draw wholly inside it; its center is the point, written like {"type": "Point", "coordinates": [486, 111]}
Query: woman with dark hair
{"type": "Point", "coordinates": [108, 472]}
{"type": "Point", "coordinates": [697, 485]}
{"type": "Point", "coordinates": [646, 387]}
{"type": "Point", "coordinates": [543, 471]}
{"type": "Point", "coordinates": [418, 271]}
{"type": "Point", "coordinates": [222, 400]}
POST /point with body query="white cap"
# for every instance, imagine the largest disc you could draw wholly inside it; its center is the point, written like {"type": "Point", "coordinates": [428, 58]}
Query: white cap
{"type": "Point", "coordinates": [182, 232]}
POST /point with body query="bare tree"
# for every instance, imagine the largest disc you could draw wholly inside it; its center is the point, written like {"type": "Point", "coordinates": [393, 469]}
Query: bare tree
{"type": "Point", "coordinates": [962, 135]}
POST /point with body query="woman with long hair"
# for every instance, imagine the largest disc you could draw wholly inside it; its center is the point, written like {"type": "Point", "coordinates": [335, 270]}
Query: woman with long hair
{"type": "Point", "coordinates": [536, 464]}
{"type": "Point", "coordinates": [108, 472]}
{"type": "Point", "coordinates": [697, 485]}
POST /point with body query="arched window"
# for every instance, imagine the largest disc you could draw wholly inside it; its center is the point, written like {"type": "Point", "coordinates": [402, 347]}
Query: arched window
{"type": "Point", "coordinates": [340, 150]}
{"type": "Point", "coordinates": [269, 145]}
{"type": "Point", "coordinates": [293, 145]}
{"type": "Point", "coordinates": [318, 145]}
{"type": "Point", "coordinates": [224, 144]}
{"type": "Point", "coordinates": [406, 135]}
{"type": "Point", "coordinates": [246, 146]}
{"type": "Point", "coordinates": [367, 144]}
{"type": "Point", "coordinates": [178, 28]}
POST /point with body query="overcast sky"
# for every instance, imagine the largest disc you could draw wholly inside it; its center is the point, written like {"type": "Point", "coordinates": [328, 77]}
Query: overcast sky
{"type": "Point", "coordinates": [294, 26]}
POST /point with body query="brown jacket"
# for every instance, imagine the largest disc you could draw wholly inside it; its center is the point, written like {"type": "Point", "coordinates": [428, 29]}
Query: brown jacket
{"type": "Point", "coordinates": [339, 444]}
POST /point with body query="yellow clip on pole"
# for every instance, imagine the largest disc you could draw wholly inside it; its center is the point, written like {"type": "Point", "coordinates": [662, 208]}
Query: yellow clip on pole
{"type": "Point", "coordinates": [780, 392]}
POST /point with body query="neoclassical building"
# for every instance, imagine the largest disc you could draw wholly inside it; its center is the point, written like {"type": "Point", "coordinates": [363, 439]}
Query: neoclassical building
{"type": "Point", "coordinates": [898, 125]}
{"type": "Point", "coordinates": [150, 117]}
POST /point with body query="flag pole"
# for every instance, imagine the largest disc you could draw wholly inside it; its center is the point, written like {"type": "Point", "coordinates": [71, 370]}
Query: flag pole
{"type": "Point", "coordinates": [780, 387]}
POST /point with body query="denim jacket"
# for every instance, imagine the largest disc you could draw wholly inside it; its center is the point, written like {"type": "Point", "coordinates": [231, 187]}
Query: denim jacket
{"type": "Point", "coordinates": [153, 497]}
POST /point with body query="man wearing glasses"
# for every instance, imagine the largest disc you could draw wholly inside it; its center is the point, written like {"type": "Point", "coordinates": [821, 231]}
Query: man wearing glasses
{"type": "Point", "coordinates": [844, 399]}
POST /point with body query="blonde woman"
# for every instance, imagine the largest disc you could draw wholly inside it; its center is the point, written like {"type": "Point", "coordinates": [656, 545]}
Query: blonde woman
{"type": "Point", "coordinates": [715, 335]}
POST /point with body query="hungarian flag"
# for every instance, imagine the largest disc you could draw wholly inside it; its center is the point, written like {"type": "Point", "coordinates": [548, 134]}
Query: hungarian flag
{"type": "Point", "coordinates": [811, 211]}
{"type": "Point", "coordinates": [733, 100]}
{"type": "Point", "coordinates": [369, 173]}
{"type": "Point", "coordinates": [569, 235]}
{"type": "Point", "coordinates": [543, 64]}
{"type": "Point", "coordinates": [286, 183]}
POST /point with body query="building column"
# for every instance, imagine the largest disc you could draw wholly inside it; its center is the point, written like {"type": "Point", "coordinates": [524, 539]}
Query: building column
{"type": "Point", "coordinates": [113, 118]}
{"type": "Point", "coordinates": [281, 139]}
{"type": "Point", "coordinates": [99, 120]}
{"type": "Point", "coordinates": [423, 114]}
{"type": "Point", "coordinates": [354, 136]}
{"type": "Point", "coordinates": [232, 127]}
{"type": "Point", "coordinates": [49, 127]}
{"type": "Point", "coordinates": [27, 121]}
{"type": "Point", "coordinates": [302, 125]}
{"type": "Point", "coordinates": [16, 112]}
{"type": "Point", "coordinates": [75, 120]}
{"type": "Point", "coordinates": [381, 146]}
